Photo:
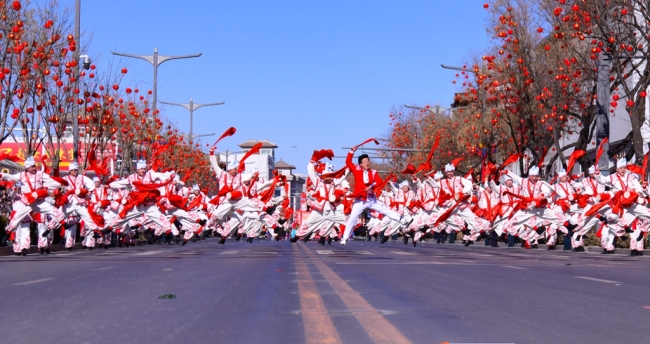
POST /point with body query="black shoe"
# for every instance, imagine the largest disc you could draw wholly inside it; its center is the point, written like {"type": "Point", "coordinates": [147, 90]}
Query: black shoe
{"type": "Point", "coordinates": [602, 219]}
{"type": "Point", "coordinates": [540, 230]}
{"type": "Point", "coordinates": [534, 246]}
{"type": "Point", "coordinates": [237, 237]}
{"type": "Point", "coordinates": [406, 239]}
{"type": "Point", "coordinates": [415, 243]}
{"type": "Point", "coordinates": [70, 249]}
{"type": "Point", "coordinates": [633, 253]}
{"type": "Point", "coordinates": [628, 229]}
{"type": "Point", "coordinates": [467, 243]}
{"type": "Point", "coordinates": [223, 240]}
{"type": "Point", "coordinates": [203, 222]}
{"type": "Point", "coordinates": [250, 240]}
{"type": "Point", "coordinates": [185, 242]}
{"type": "Point", "coordinates": [384, 239]}
{"type": "Point", "coordinates": [483, 235]}
{"type": "Point", "coordinates": [23, 252]}
{"type": "Point", "coordinates": [321, 240]}
{"type": "Point", "coordinates": [106, 247]}
{"type": "Point", "coordinates": [278, 238]}
{"type": "Point", "coordinates": [604, 251]}
{"type": "Point", "coordinates": [47, 251]}
{"type": "Point", "coordinates": [41, 250]}
{"type": "Point", "coordinates": [640, 253]}
{"type": "Point", "coordinates": [46, 233]}
{"type": "Point", "coordinates": [294, 239]}
{"type": "Point", "coordinates": [306, 238]}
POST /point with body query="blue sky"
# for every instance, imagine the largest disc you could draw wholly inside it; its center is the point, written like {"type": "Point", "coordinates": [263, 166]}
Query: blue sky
{"type": "Point", "coordinates": [303, 74]}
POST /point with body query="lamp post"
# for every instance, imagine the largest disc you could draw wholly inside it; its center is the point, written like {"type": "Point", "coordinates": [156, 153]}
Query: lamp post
{"type": "Point", "coordinates": [156, 60]}
{"type": "Point", "coordinates": [463, 69]}
{"type": "Point", "coordinates": [191, 106]}
{"type": "Point", "coordinates": [437, 111]}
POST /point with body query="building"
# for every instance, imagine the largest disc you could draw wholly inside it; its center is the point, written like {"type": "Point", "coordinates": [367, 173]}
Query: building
{"type": "Point", "coordinates": [296, 182]}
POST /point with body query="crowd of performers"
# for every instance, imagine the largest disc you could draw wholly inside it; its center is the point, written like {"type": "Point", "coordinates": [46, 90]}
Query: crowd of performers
{"type": "Point", "coordinates": [160, 205]}
{"type": "Point", "coordinates": [501, 205]}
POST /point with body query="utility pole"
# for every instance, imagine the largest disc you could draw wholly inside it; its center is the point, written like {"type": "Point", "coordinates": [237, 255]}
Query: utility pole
{"type": "Point", "coordinates": [191, 106]}
{"type": "Point", "coordinates": [156, 60]}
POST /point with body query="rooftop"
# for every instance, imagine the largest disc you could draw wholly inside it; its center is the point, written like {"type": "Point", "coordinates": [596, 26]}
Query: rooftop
{"type": "Point", "coordinates": [251, 143]}
{"type": "Point", "coordinates": [283, 165]}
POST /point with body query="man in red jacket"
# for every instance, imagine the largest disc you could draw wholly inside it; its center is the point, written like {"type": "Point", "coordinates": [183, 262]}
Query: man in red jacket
{"type": "Point", "coordinates": [365, 181]}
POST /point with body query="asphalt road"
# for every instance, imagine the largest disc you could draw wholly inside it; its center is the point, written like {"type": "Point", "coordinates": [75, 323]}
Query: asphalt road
{"type": "Point", "coordinates": [268, 292]}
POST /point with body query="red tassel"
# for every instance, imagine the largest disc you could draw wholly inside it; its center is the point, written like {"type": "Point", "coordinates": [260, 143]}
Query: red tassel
{"type": "Point", "coordinates": [433, 148]}
{"type": "Point", "coordinates": [254, 150]}
{"type": "Point", "coordinates": [367, 141]}
{"type": "Point", "coordinates": [229, 132]}
{"type": "Point", "coordinates": [456, 161]}
{"type": "Point", "coordinates": [322, 153]}
{"type": "Point", "coordinates": [410, 169]}
{"type": "Point", "coordinates": [601, 150]}
{"type": "Point", "coordinates": [540, 163]}
{"type": "Point", "coordinates": [577, 154]}
{"type": "Point", "coordinates": [335, 174]}
{"type": "Point", "coordinates": [513, 158]}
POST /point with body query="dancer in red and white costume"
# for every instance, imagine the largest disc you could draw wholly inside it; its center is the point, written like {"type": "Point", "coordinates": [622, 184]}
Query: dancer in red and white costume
{"type": "Point", "coordinates": [366, 180]}
{"type": "Point", "coordinates": [35, 187]}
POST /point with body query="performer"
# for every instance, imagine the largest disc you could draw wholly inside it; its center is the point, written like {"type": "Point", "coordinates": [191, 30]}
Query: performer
{"type": "Point", "coordinates": [35, 187]}
{"type": "Point", "coordinates": [366, 179]}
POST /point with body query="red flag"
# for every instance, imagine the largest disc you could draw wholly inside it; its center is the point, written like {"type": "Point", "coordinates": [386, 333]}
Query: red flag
{"type": "Point", "coordinates": [229, 132]}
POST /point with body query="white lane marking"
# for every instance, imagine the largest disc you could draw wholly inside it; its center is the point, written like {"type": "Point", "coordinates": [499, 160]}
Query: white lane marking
{"type": "Point", "coordinates": [230, 252]}
{"type": "Point", "coordinates": [34, 281]}
{"type": "Point", "coordinates": [148, 253]}
{"type": "Point", "coordinates": [106, 268]}
{"type": "Point", "coordinates": [363, 252]}
{"type": "Point", "coordinates": [596, 279]}
{"type": "Point", "coordinates": [324, 251]}
{"type": "Point", "coordinates": [514, 267]}
{"type": "Point", "coordinates": [482, 254]}
{"type": "Point", "coordinates": [404, 253]}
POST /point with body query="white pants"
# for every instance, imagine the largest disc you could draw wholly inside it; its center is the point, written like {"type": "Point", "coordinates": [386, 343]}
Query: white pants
{"type": "Point", "coordinates": [151, 212]}
{"type": "Point", "coordinates": [22, 240]}
{"type": "Point", "coordinates": [371, 203]}
{"type": "Point", "coordinates": [41, 206]}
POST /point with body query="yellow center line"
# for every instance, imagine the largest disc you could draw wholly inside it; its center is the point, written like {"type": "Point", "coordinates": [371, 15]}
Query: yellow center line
{"type": "Point", "coordinates": [379, 329]}
{"type": "Point", "coordinates": [318, 325]}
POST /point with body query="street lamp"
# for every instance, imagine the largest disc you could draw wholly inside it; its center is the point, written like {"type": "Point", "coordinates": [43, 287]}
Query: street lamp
{"type": "Point", "coordinates": [191, 106]}
{"type": "Point", "coordinates": [200, 135]}
{"type": "Point", "coordinates": [156, 60]}
{"type": "Point", "coordinates": [463, 69]}
{"type": "Point", "coordinates": [428, 109]}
